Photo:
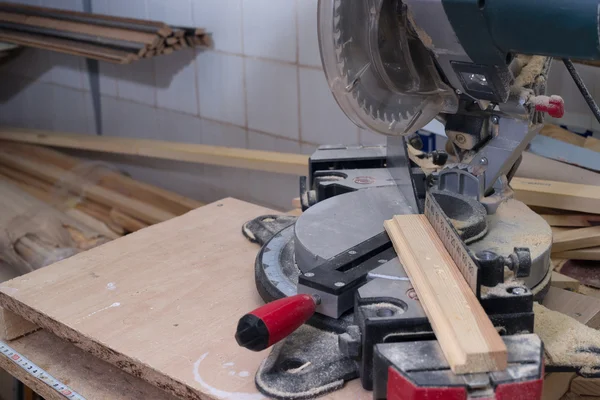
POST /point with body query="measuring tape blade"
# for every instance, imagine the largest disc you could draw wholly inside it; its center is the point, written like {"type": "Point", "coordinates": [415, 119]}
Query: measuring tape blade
{"type": "Point", "coordinates": [38, 372]}
{"type": "Point", "coordinates": [453, 243]}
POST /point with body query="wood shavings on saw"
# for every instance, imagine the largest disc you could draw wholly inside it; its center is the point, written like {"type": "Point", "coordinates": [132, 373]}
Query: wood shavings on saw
{"type": "Point", "coordinates": [565, 339]}
{"type": "Point", "coordinates": [530, 72]}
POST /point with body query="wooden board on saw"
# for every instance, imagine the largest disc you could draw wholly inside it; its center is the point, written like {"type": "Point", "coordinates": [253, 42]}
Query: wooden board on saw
{"type": "Point", "coordinates": [162, 303]}
{"type": "Point", "coordinates": [87, 375]}
{"type": "Point", "coordinates": [466, 335]}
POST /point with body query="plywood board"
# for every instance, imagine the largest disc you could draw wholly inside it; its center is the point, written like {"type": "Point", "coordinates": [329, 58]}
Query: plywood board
{"type": "Point", "coordinates": [466, 335]}
{"type": "Point", "coordinates": [162, 303]}
{"type": "Point", "coordinates": [87, 375]}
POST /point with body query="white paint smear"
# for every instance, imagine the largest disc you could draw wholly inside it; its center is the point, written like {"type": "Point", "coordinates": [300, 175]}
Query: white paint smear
{"type": "Point", "coordinates": [244, 374]}
{"type": "Point", "coordinates": [105, 308]}
{"type": "Point", "coordinates": [221, 394]}
{"type": "Point", "coordinates": [111, 286]}
{"type": "Point", "coordinates": [229, 364]}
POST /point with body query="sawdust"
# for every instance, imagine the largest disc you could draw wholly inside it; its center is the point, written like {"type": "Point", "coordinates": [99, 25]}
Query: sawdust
{"type": "Point", "coordinates": [502, 289]}
{"type": "Point", "coordinates": [567, 342]}
{"type": "Point", "coordinates": [531, 70]}
{"type": "Point", "coordinates": [323, 348]}
{"type": "Point", "coordinates": [425, 38]}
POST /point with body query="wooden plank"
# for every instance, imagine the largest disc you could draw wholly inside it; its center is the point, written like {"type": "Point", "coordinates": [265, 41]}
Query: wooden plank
{"type": "Point", "coordinates": [586, 386]}
{"type": "Point", "coordinates": [282, 163]}
{"type": "Point", "coordinates": [585, 309]}
{"type": "Point", "coordinates": [84, 373]}
{"type": "Point", "coordinates": [592, 143]}
{"type": "Point", "coordinates": [150, 194]}
{"type": "Point", "coordinates": [467, 337]}
{"type": "Point", "coordinates": [128, 223]}
{"type": "Point", "coordinates": [135, 208]}
{"type": "Point", "coordinates": [76, 27]}
{"type": "Point", "coordinates": [67, 46]}
{"type": "Point", "coordinates": [561, 195]}
{"type": "Point", "coordinates": [556, 132]}
{"type": "Point", "coordinates": [13, 326]}
{"type": "Point", "coordinates": [28, 9]}
{"type": "Point", "coordinates": [572, 239]}
{"type": "Point", "coordinates": [571, 220]}
{"type": "Point", "coordinates": [177, 308]}
{"type": "Point", "coordinates": [538, 167]}
{"type": "Point", "coordinates": [564, 282]}
{"type": "Point", "coordinates": [589, 254]}
{"type": "Point", "coordinates": [556, 384]}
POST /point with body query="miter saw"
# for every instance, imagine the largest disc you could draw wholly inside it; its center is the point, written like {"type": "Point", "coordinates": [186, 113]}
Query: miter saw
{"type": "Point", "coordinates": [480, 67]}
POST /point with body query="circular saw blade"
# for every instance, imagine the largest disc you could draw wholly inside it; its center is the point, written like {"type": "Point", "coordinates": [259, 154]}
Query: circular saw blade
{"type": "Point", "coordinates": [380, 73]}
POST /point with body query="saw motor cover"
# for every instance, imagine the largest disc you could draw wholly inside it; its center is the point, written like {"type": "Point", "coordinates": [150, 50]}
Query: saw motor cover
{"type": "Point", "coordinates": [377, 67]}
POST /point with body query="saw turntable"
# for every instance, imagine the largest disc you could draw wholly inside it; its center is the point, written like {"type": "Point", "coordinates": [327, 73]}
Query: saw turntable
{"type": "Point", "coordinates": [479, 67]}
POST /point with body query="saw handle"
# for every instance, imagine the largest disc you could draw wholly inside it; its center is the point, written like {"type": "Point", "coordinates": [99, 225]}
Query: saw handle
{"type": "Point", "coordinates": [269, 324]}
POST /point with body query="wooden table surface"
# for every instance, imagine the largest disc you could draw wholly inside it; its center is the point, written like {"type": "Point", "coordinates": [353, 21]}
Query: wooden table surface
{"type": "Point", "coordinates": [181, 286]}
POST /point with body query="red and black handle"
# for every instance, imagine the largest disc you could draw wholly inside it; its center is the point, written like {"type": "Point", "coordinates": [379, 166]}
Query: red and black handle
{"type": "Point", "coordinates": [269, 324]}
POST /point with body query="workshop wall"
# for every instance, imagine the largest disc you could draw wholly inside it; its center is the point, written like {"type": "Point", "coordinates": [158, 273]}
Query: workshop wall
{"type": "Point", "coordinates": [262, 87]}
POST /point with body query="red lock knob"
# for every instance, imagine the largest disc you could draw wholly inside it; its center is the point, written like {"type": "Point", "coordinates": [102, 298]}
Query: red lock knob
{"type": "Point", "coordinates": [269, 324]}
{"type": "Point", "coordinates": [553, 105]}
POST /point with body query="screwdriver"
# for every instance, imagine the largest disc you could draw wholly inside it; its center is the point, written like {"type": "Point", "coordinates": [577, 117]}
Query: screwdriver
{"type": "Point", "coordinates": [271, 323]}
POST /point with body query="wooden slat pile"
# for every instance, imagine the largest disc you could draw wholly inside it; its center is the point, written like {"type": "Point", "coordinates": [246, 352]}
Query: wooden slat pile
{"type": "Point", "coordinates": [101, 37]}
{"type": "Point", "coordinates": [92, 193]}
{"type": "Point", "coordinates": [573, 212]}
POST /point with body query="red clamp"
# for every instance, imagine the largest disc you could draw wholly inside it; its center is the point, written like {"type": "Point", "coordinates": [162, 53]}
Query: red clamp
{"type": "Point", "coordinates": [269, 324]}
{"type": "Point", "coordinates": [553, 105]}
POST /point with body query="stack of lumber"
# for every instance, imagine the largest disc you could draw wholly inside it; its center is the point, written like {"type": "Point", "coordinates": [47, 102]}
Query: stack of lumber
{"type": "Point", "coordinates": [101, 37]}
{"type": "Point", "coordinates": [94, 194]}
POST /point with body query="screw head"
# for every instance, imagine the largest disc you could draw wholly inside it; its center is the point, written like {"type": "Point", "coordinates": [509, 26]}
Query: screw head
{"type": "Point", "coordinates": [460, 139]}
{"type": "Point", "coordinates": [339, 284]}
{"type": "Point", "coordinates": [382, 261]}
{"type": "Point", "coordinates": [352, 252]}
{"type": "Point", "coordinates": [483, 161]}
{"type": "Point", "coordinates": [495, 120]}
{"type": "Point", "coordinates": [517, 291]}
{"type": "Point", "coordinates": [309, 274]}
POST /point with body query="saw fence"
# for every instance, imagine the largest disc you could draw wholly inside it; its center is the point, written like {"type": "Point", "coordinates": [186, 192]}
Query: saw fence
{"type": "Point", "coordinates": [101, 37]}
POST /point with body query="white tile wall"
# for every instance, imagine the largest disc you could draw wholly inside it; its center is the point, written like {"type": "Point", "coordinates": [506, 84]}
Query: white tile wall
{"type": "Point", "coordinates": [262, 87]}
{"type": "Point", "coordinates": [322, 119]}
{"type": "Point", "coordinates": [308, 45]}
{"type": "Point", "coordinates": [173, 12]}
{"type": "Point", "coordinates": [136, 81]}
{"type": "Point", "coordinates": [272, 98]}
{"type": "Point", "coordinates": [221, 87]}
{"type": "Point", "coordinates": [224, 19]}
{"type": "Point", "coordinates": [174, 76]}
{"type": "Point", "coordinates": [270, 29]}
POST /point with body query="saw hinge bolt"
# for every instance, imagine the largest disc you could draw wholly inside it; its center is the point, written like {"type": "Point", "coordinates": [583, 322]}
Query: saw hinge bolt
{"type": "Point", "coordinates": [519, 262]}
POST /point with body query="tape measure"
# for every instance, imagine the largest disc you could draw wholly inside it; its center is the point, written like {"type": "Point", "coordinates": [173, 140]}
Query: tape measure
{"type": "Point", "coordinates": [453, 243]}
{"type": "Point", "coordinates": [37, 372]}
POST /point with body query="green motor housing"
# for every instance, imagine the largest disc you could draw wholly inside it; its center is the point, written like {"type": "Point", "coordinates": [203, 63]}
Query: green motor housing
{"type": "Point", "coordinates": [490, 30]}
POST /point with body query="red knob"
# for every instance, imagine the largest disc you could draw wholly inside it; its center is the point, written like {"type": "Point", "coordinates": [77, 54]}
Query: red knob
{"type": "Point", "coordinates": [269, 324]}
{"type": "Point", "coordinates": [553, 105]}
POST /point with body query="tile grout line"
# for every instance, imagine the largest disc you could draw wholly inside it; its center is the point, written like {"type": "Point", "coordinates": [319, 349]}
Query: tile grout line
{"type": "Point", "coordinates": [298, 71]}
{"type": "Point", "coordinates": [244, 76]}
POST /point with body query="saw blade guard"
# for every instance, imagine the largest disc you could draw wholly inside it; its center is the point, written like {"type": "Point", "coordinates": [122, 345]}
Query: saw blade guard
{"type": "Point", "coordinates": [378, 69]}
